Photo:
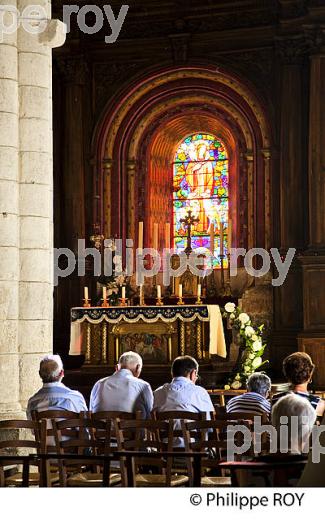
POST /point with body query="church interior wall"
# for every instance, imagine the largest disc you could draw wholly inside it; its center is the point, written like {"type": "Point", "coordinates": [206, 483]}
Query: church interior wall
{"type": "Point", "coordinates": [268, 46]}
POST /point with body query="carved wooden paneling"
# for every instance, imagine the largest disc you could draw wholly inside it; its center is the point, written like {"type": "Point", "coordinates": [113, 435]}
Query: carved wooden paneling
{"type": "Point", "coordinates": [315, 347]}
{"type": "Point", "coordinates": [314, 294]}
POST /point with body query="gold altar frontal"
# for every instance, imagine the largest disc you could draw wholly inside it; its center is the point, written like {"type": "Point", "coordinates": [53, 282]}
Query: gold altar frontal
{"type": "Point", "coordinates": [158, 334]}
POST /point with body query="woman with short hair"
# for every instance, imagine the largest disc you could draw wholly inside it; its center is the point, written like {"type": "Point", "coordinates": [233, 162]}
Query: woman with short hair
{"type": "Point", "coordinates": [298, 369]}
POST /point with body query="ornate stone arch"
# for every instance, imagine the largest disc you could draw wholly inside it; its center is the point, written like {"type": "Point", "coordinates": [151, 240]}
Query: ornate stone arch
{"type": "Point", "coordinates": [133, 129]}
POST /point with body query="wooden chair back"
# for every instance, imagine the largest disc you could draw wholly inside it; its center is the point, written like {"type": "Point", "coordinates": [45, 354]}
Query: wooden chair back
{"type": "Point", "coordinates": [144, 436]}
{"type": "Point", "coordinates": [176, 417]}
{"type": "Point", "coordinates": [81, 436]}
{"type": "Point", "coordinates": [208, 436]}
{"type": "Point", "coordinates": [46, 436]}
{"type": "Point", "coordinates": [237, 416]}
{"type": "Point", "coordinates": [24, 442]}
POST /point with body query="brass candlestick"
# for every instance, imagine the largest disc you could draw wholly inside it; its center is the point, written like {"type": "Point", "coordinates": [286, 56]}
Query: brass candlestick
{"type": "Point", "coordinates": [123, 302]}
{"type": "Point", "coordinates": [180, 301]}
{"type": "Point", "coordinates": [105, 302]}
{"type": "Point", "coordinates": [87, 302]}
{"type": "Point", "coordinates": [199, 301]}
{"type": "Point", "coordinates": [159, 301]}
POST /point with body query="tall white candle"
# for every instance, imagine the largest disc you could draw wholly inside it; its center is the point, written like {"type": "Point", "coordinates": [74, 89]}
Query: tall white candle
{"type": "Point", "coordinates": [158, 291]}
{"type": "Point", "coordinates": [123, 292]}
{"type": "Point", "coordinates": [199, 290]}
{"type": "Point", "coordinates": [180, 291]}
{"type": "Point", "coordinates": [221, 239]}
{"type": "Point", "coordinates": [155, 236]}
{"type": "Point", "coordinates": [212, 238]}
{"type": "Point", "coordinates": [140, 238]}
{"type": "Point", "coordinates": [104, 293]}
{"type": "Point", "coordinates": [86, 293]}
{"type": "Point", "coordinates": [167, 235]}
{"type": "Point", "coordinates": [229, 235]}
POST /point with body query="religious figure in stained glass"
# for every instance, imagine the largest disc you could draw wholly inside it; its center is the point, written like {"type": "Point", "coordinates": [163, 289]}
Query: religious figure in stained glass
{"type": "Point", "coordinates": [201, 184]}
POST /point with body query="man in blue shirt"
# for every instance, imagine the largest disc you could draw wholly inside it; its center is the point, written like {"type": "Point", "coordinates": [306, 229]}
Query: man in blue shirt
{"type": "Point", "coordinates": [124, 391]}
{"type": "Point", "coordinates": [182, 393]}
{"type": "Point", "coordinates": [54, 395]}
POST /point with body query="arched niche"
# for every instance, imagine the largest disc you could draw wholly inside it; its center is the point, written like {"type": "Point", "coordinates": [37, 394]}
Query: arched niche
{"type": "Point", "coordinates": [135, 140]}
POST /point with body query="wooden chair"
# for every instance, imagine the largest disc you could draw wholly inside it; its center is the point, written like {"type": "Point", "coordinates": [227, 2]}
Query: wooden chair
{"type": "Point", "coordinates": [274, 472]}
{"type": "Point", "coordinates": [25, 441]}
{"type": "Point", "coordinates": [208, 436]}
{"type": "Point", "coordinates": [179, 464]}
{"type": "Point", "coordinates": [145, 436]}
{"type": "Point", "coordinates": [237, 416]}
{"type": "Point", "coordinates": [86, 435]}
{"type": "Point", "coordinates": [112, 415]}
{"type": "Point", "coordinates": [47, 437]}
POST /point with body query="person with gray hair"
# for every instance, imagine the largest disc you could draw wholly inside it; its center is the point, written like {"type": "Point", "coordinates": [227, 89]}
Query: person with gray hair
{"type": "Point", "coordinates": [293, 417]}
{"type": "Point", "coordinates": [123, 391]}
{"type": "Point", "coordinates": [255, 399]}
{"type": "Point", "coordinates": [54, 395]}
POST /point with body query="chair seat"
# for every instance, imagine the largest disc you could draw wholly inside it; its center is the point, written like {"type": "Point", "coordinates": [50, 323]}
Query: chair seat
{"type": "Point", "coordinates": [17, 479]}
{"type": "Point", "coordinates": [88, 479]}
{"type": "Point", "coordinates": [215, 481]}
{"type": "Point", "coordinates": [160, 480]}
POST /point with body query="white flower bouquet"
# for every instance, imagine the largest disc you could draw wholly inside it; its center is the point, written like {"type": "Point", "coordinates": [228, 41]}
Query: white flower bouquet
{"type": "Point", "coordinates": [252, 339]}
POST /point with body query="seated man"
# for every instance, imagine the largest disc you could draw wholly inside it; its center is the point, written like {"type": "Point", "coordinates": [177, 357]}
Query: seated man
{"type": "Point", "coordinates": [255, 400]}
{"type": "Point", "coordinates": [123, 391]}
{"type": "Point", "coordinates": [182, 393]}
{"type": "Point", "coordinates": [54, 395]}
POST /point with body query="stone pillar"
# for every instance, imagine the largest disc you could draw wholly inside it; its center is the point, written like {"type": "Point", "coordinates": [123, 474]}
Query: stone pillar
{"type": "Point", "coordinates": [9, 225]}
{"type": "Point", "coordinates": [26, 218]}
{"type": "Point", "coordinates": [35, 204]}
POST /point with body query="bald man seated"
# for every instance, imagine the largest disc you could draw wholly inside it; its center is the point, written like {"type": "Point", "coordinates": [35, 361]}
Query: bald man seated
{"type": "Point", "coordinates": [124, 391]}
{"type": "Point", "coordinates": [54, 395]}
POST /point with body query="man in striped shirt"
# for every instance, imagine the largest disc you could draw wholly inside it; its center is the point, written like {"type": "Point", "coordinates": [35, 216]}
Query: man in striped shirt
{"type": "Point", "coordinates": [255, 400]}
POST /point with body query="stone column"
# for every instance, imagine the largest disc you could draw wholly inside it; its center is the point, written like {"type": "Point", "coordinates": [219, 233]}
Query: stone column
{"type": "Point", "coordinates": [35, 196]}
{"type": "Point", "coordinates": [9, 225]}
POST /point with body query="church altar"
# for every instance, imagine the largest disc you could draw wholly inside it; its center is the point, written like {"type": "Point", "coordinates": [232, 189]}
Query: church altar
{"type": "Point", "coordinates": [157, 333]}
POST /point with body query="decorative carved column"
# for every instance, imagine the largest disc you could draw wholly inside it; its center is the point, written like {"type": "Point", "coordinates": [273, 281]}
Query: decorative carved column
{"type": "Point", "coordinates": [131, 170]}
{"type": "Point", "coordinates": [312, 339]}
{"type": "Point", "coordinates": [251, 235]}
{"type": "Point", "coordinates": [107, 208]}
{"type": "Point", "coordinates": [267, 195]}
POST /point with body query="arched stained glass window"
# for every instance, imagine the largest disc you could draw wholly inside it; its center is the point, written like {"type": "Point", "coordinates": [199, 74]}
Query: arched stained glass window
{"type": "Point", "coordinates": [201, 184]}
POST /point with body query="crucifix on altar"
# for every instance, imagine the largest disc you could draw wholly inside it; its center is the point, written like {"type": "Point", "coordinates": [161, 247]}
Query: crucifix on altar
{"type": "Point", "coordinates": [188, 222]}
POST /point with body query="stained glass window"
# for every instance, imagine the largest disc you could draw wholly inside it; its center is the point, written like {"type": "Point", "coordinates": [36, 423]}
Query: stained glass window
{"type": "Point", "coordinates": [201, 184]}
